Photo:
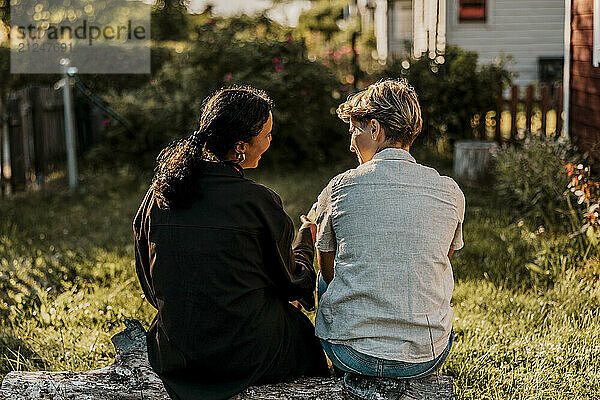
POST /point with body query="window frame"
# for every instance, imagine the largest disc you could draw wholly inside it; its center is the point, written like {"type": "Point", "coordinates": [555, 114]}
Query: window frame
{"type": "Point", "coordinates": [462, 20]}
{"type": "Point", "coordinates": [409, 32]}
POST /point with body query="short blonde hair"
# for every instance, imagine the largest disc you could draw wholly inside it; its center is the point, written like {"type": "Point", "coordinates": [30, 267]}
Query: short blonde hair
{"type": "Point", "coordinates": [392, 102]}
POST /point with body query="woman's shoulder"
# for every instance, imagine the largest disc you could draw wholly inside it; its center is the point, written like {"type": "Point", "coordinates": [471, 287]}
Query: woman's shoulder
{"type": "Point", "coordinates": [261, 192]}
{"type": "Point", "coordinates": [265, 202]}
{"type": "Point", "coordinates": [350, 176]}
{"type": "Point", "coordinates": [346, 176]}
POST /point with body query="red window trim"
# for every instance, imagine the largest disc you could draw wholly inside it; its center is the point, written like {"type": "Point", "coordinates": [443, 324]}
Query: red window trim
{"type": "Point", "coordinates": [471, 11]}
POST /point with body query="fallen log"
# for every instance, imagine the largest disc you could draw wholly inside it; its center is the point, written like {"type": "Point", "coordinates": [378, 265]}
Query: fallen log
{"type": "Point", "coordinates": [131, 377]}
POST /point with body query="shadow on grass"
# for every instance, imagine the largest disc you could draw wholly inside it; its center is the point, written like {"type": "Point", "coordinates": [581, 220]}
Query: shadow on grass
{"type": "Point", "coordinates": [495, 246]}
{"type": "Point", "coordinates": [16, 355]}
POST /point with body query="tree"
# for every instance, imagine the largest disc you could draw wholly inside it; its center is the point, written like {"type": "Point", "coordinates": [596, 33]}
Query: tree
{"type": "Point", "coordinates": [169, 20]}
{"type": "Point", "coordinates": [323, 17]}
{"type": "Point", "coordinates": [5, 12]}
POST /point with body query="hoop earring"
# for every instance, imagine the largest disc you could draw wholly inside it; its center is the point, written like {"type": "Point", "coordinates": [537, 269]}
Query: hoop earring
{"type": "Point", "coordinates": [240, 157]}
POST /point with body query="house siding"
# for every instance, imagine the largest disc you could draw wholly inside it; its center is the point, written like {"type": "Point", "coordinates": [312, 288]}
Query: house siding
{"type": "Point", "coordinates": [585, 80]}
{"type": "Point", "coordinates": [524, 29]}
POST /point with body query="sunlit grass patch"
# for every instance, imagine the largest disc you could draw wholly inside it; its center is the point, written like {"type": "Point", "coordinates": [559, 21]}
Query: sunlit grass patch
{"type": "Point", "coordinates": [63, 295]}
{"type": "Point", "coordinates": [526, 345]}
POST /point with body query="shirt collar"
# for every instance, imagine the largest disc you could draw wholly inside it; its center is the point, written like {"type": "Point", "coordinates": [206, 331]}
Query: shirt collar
{"type": "Point", "coordinates": [392, 153]}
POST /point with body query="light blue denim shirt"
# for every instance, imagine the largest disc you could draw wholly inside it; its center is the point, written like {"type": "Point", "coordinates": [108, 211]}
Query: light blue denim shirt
{"type": "Point", "coordinates": [391, 223]}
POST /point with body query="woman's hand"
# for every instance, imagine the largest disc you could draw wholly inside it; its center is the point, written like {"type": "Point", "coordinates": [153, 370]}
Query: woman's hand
{"type": "Point", "coordinates": [296, 304]}
{"type": "Point", "coordinates": [306, 223]}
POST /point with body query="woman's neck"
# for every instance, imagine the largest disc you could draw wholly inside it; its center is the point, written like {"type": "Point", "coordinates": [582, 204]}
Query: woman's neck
{"type": "Point", "coordinates": [393, 146]}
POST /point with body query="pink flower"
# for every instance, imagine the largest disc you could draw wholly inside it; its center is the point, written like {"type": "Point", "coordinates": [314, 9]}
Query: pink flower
{"type": "Point", "coordinates": [279, 68]}
{"type": "Point", "coordinates": [228, 76]}
{"type": "Point", "coordinates": [289, 38]}
{"type": "Point", "coordinates": [105, 122]}
{"type": "Point", "coordinates": [343, 88]}
{"type": "Point", "coordinates": [276, 60]}
{"type": "Point", "coordinates": [208, 22]}
{"type": "Point", "coordinates": [303, 92]}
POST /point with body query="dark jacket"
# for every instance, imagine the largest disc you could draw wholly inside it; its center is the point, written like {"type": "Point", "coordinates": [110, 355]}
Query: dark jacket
{"type": "Point", "coordinates": [221, 273]}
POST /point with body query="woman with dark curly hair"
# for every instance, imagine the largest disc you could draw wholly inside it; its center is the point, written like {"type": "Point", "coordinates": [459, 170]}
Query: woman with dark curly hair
{"type": "Point", "coordinates": [214, 255]}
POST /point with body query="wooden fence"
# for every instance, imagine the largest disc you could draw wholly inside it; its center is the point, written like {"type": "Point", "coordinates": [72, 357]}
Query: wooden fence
{"type": "Point", "coordinates": [32, 135]}
{"type": "Point", "coordinates": [534, 110]}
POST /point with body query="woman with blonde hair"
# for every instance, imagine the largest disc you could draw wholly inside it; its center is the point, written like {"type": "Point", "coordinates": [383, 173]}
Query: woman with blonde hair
{"type": "Point", "coordinates": [387, 230]}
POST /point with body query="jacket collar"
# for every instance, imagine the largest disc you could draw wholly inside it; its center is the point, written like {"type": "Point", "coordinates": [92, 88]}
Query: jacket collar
{"type": "Point", "coordinates": [222, 168]}
{"type": "Point", "coordinates": [392, 153]}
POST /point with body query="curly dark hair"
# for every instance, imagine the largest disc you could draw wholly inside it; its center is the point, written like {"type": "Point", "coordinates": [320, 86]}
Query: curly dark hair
{"type": "Point", "coordinates": [228, 116]}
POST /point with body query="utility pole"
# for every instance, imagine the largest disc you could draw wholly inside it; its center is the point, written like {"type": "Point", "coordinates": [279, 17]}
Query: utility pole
{"type": "Point", "coordinates": [69, 71]}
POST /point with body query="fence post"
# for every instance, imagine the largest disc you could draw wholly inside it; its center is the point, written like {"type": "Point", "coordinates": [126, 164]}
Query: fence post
{"type": "Point", "coordinates": [480, 129]}
{"type": "Point", "coordinates": [500, 106]}
{"type": "Point", "coordinates": [39, 161]}
{"type": "Point", "coordinates": [514, 100]}
{"type": "Point", "coordinates": [528, 108]}
{"type": "Point", "coordinates": [69, 124]}
{"type": "Point", "coordinates": [558, 100]}
{"type": "Point", "coordinates": [27, 132]}
{"type": "Point", "coordinates": [545, 106]}
{"type": "Point", "coordinates": [15, 137]}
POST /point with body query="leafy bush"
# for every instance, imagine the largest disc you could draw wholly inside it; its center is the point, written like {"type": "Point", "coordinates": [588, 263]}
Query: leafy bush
{"type": "Point", "coordinates": [323, 17]}
{"type": "Point", "coordinates": [453, 91]}
{"type": "Point", "coordinates": [244, 51]}
{"type": "Point", "coordinates": [530, 177]}
{"type": "Point", "coordinates": [544, 180]}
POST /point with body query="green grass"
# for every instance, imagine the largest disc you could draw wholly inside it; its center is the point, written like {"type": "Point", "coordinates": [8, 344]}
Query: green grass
{"type": "Point", "coordinates": [67, 280]}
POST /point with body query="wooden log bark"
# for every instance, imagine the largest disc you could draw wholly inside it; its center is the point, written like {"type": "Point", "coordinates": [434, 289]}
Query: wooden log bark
{"type": "Point", "coordinates": [472, 158]}
{"type": "Point", "coordinates": [131, 377]}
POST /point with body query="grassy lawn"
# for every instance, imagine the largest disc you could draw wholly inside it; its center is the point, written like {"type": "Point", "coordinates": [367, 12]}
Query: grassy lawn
{"type": "Point", "coordinates": [67, 280]}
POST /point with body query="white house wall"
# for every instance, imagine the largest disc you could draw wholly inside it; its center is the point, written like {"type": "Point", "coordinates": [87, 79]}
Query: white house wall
{"type": "Point", "coordinates": [525, 29]}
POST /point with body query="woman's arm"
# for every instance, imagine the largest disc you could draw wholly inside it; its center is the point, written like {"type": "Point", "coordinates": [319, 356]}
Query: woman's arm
{"type": "Point", "coordinates": [325, 259]}
{"type": "Point", "coordinates": [289, 262]}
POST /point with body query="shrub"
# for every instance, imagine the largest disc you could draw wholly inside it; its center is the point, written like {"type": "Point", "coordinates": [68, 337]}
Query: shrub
{"type": "Point", "coordinates": [585, 218]}
{"type": "Point", "coordinates": [453, 91]}
{"type": "Point", "coordinates": [243, 51]}
{"type": "Point", "coordinates": [562, 196]}
{"type": "Point", "coordinates": [530, 177]}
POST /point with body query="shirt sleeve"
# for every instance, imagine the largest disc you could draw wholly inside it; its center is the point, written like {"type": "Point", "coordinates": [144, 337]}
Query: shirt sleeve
{"type": "Point", "coordinates": [457, 241]}
{"type": "Point", "coordinates": [141, 228]}
{"type": "Point", "coordinates": [290, 264]}
{"type": "Point", "coordinates": [326, 241]}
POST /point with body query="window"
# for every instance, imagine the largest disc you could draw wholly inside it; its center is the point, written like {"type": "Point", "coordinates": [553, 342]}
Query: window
{"type": "Point", "coordinates": [471, 11]}
{"type": "Point", "coordinates": [402, 28]}
{"type": "Point", "coordinates": [551, 69]}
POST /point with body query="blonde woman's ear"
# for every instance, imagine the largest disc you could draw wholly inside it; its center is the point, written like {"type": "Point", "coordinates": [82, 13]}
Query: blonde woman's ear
{"type": "Point", "coordinates": [375, 129]}
{"type": "Point", "coordinates": [240, 146]}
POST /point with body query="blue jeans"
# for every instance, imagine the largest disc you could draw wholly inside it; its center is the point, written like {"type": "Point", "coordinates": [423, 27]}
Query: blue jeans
{"type": "Point", "coordinates": [349, 360]}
